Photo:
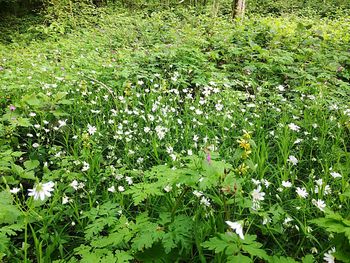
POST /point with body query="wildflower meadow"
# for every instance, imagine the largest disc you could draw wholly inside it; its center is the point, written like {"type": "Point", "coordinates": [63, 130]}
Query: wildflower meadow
{"type": "Point", "coordinates": [176, 135]}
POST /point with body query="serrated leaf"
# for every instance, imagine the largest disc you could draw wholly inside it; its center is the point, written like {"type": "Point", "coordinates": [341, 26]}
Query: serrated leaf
{"type": "Point", "coordinates": [123, 256]}
{"type": "Point", "coordinates": [17, 154]}
{"type": "Point", "coordinates": [31, 164]}
{"type": "Point", "coordinates": [255, 250]}
{"type": "Point", "coordinates": [9, 213]}
{"type": "Point", "coordinates": [24, 122]}
{"type": "Point", "coordinates": [168, 242]}
{"type": "Point", "coordinates": [239, 258]}
{"type": "Point", "coordinates": [216, 244]}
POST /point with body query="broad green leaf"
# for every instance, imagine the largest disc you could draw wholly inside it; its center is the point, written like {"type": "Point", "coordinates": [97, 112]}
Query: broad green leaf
{"type": "Point", "coordinates": [239, 259]}
{"type": "Point", "coordinates": [32, 100]}
{"type": "Point", "coordinates": [31, 164]}
{"type": "Point", "coordinates": [308, 259]}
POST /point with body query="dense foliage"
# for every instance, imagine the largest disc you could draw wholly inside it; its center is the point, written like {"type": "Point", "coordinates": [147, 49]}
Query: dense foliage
{"type": "Point", "coordinates": [175, 135]}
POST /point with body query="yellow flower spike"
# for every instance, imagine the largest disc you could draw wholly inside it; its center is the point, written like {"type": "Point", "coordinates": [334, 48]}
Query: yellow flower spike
{"type": "Point", "coordinates": [244, 144]}
{"type": "Point", "coordinates": [243, 169]}
{"type": "Point", "coordinates": [247, 135]}
{"type": "Point", "coordinates": [246, 154]}
{"type": "Point", "coordinates": [347, 124]}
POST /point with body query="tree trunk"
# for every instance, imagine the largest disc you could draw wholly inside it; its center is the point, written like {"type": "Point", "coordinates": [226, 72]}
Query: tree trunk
{"type": "Point", "coordinates": [238, 8]}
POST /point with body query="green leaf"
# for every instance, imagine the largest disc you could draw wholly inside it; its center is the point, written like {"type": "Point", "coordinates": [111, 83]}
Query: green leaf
{"type": "Point", "coordinates": [24, 122]}
{"type": "Point", "coordinates": [31, 164]}
{"type": "Point", "coordinates": [239, 258]}
{"type": "Point", "coordinates": [9, 213]}
{"type": "Point", "coordinates": [123, 256]}
{"type": "Point", "coordinates": [28, 175]}
{"type": "Point", "coordinates": [308, 259]}
{"type": "Point", "coordinates": [17, 154]}
{"type": "Point", "coordinates": [253, 247]}
{"type": "Point", "coordinates": [216, 244]}
{"type": "Point", "coordinates": [32, 100]}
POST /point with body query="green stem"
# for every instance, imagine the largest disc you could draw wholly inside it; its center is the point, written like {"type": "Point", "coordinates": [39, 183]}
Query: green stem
{"type": "Point", "coordinates": [178, 203]}
{"type": "Point", "coordinates": [25, 239]}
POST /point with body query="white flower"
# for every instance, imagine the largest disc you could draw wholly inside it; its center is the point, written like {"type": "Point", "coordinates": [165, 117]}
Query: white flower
{"type": "Point", "coordinates": [65, 200]}
{"type": "Point", "coordinates": [219, 107]}
{"type": "Point", "coordinates": [320, 204]}
{"type": "Point", "coordinates": [336, 175]}
{"type": "Point", "coordinates": [205, 201]}
{"type": "Point", "coordinates": [173, 157]}
{"type": "Point", "coordinates": [74, 184]}
{"type": "Point", "coordinates": [266, 220]}
{"type": "Point", "coordinates": [160, 132]}
{"type": "Point", "coordinates": [287, 220]}
{"type": "Point", "coordinates": [81, 185]}
{"type": "Point", "coordinates": [111, 189]}
{"type": "Point", "coordinates": [237, 227]}
{"type": "Point", "coordinates": [266, 183]}
{"type": "Point", "coordinates": [302, 192]}
{"type": "Point", "coordinates": [169, 149]}
{"type": "Point", "coordinates": [286, 184]}
{"type": "Point", "coordinates": [292, 159]}
{"type": "Point", "coordinates": [168, 188]}
{"type": "Point", "coordinates": [256, 182]}
{"type": "Point", "coordinates": [197, 193]}
{"type": "Point", "coordinates": [91, 129]}
{"type": "Point", "coordinates": [36, 145]}
{"type": "Point", "coordinates": [15, 190]}
{"type": "Point", "coordinates": [280, 88]}
{"type": "Point", "coordinates": [146, 129]}
{"type": "Point", "coordinates": [86, 167]}
{"type": "Point", "coordinates": [328, 257]}
{"type": "Point", "coordinates": [41, 190]}
{"type": "Point", "coordinates": [129, 180]}
{"type": "Point", "coordinates": [198, 111]}
{"type": "Point", "coordinates": [298, 141]}
{"type": "Point", "coordinates": [62, 123]}
{"type": "Point", "coordinates": [121, 188]}
{"type": "Point", "coordinates": [319, 182]}
{"type": "Point", "coordinates": [189, 152]}
{"type": "Point", "coordinates": [257, 195]}
{"type": "Point", "coordinates": [327, 190]}
{"type": "Point", "coordinates": [314, 250]}
{"type": "Point", "coordinates": [294, 127]}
